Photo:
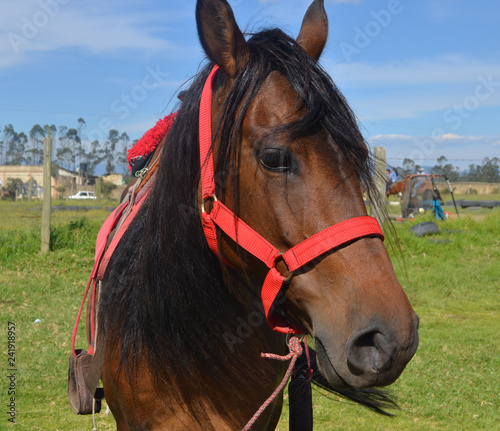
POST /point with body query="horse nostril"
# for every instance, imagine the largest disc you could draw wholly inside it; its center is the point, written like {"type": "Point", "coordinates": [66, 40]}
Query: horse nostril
{"type": "Point", "coordinates": [370, 352]}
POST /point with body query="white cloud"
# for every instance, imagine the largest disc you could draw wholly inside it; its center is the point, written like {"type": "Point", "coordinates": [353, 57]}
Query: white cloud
{"type": "Point", "coordinates": [106, 27]}
{"type": "Point", "coordinates": [450, 136]}
{"type": "Point", "coordinates": [454, 137]}
{"type": "Point", "coordinates": [390, 137]}
{"type": "Point", "coordinates": [443, 137]}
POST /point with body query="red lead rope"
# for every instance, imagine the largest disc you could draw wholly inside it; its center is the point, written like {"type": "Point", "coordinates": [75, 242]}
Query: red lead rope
{"type": "Point", "coordinates": [298, 256]}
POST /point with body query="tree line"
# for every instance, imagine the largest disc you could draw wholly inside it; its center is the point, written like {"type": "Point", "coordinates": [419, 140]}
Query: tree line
{"type": "Point", "coordinates": [70, 148]}
{"type": "Point", "coordinates": [487, 171]}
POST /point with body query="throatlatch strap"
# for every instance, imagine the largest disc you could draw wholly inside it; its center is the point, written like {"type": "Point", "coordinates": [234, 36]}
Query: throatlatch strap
{"type": "Point", "coordinates": [298, 256]}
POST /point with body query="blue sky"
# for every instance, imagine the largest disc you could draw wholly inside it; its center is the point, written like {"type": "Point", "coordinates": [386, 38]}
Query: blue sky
{"type": "Point", "coordinates": [423, 76]}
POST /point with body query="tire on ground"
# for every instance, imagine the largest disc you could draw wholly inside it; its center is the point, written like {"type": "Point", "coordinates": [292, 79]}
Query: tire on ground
{"type": "Point", "coordinates": [426, 228]}
{"type": "Point", "coordinates": [468, 204]}
{"type": "Point", "coordinates": [488, 204]}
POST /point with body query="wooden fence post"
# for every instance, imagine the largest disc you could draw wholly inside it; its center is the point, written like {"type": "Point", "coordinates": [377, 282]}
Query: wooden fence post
{"type": "Point", "coordinates": [47, 192]}
{"type": "Point", "coordinates": [380, 182]}
{"type": "Point", "coordinates": [30, 187]}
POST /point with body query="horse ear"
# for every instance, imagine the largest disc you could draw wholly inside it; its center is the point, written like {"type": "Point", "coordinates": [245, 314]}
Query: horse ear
{"type": "Point", "coordinates": [220, 36]}
{"type": "Point", "coordinates": [314, 31]}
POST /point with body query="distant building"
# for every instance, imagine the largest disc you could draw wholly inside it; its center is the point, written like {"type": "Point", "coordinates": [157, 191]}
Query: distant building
{"type": "Point", "coordinates": [67, 180]}
{"type": "Point", "coordinates": [116, 179]}
{"type": "Point", "coordinates": [24, 173]}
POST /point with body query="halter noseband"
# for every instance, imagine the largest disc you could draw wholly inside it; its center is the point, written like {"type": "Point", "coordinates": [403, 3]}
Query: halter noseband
{"type": "Point", "coordinates": [296, 257]}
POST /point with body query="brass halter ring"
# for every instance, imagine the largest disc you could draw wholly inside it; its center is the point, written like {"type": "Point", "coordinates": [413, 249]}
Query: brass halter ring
{"type": "Point", "coordinates": [213, 198]}
{"type": "Point", "coordinates": [290, 273]}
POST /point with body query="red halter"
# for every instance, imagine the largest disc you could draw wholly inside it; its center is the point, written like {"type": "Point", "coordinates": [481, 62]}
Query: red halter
{"type": "Point", "coordinates": [246, 237]}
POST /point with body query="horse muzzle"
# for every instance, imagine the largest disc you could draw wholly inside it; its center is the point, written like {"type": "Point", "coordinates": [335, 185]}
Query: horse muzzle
{"type": "Point", "coordinates": [373, 356]}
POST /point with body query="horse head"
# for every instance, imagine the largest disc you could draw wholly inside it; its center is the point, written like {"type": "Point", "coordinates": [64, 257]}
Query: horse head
{"type": "Point", "coordinates": [290, 162]}
{"type": "Point", "coordinates": [287, 165]}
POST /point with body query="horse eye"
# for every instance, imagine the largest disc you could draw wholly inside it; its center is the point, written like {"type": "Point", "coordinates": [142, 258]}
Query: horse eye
{"type": "Point", "coordinates": [275, 160]}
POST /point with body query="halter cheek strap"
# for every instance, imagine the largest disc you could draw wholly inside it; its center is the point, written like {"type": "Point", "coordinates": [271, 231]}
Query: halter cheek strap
{"type": "Point", "coordinates": [296, 257]}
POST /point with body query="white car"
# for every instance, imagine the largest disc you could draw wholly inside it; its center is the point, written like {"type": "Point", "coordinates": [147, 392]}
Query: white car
{"type": "Point", "coordinates": [84, 195]}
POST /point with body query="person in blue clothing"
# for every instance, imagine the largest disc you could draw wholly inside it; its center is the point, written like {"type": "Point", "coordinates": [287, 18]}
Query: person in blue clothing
{"type": "Point", "coordinates": [394, 175]}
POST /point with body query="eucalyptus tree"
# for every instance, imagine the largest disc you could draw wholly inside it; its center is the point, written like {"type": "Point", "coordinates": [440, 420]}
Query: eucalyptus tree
{"type": "Point", "coordinates": [122, 153]}
{"type": "Point", "coordinates": [15, 146]}
{"type": "Point", "coordinates": [35, 151]}
{"type": "Point", "coordinates": [109, 150]}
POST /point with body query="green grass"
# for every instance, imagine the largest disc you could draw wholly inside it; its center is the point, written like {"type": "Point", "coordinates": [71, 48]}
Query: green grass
{"type": "Point", "coordinates": [49, 288]}
{"type": "Point", "coordinates": [452, 383]}
{"type": "Point", "coordinates": [70, 228]}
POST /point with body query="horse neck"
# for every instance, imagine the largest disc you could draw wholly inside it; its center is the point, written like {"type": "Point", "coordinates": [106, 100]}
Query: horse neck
{"type": "Point", "coordinates": [257, 377]}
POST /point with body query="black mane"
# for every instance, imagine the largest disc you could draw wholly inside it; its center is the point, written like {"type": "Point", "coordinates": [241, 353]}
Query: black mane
{"type": "Point", "coordinates": [271, 51]}
{"type": "Point", "coordinates": [164, 291]}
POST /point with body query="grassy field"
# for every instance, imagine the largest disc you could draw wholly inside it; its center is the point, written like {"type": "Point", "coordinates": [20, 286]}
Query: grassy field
{"type": "Point", "coordinates": [452, 279]}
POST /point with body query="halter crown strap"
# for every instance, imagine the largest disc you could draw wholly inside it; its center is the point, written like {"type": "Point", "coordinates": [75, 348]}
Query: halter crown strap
{"type": "Point", "coordinates": [206, 157]}
{"type": "Point", "coordinates": [296, 257]}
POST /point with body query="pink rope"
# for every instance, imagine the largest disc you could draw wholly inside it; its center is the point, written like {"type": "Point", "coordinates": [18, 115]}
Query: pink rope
{"type": "Point", "coordinates": [295, 351]}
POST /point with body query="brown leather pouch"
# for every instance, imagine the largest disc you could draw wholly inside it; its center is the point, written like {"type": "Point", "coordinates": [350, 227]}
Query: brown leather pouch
{"type": "Point", "coordinates": [79, 395]}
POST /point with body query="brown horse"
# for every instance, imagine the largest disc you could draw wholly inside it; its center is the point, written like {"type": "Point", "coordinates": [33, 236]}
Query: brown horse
{"type": "Point", "coordinates": [8, 194]}
{"type": "Point", "coordinates": [183, 329]}
{"type": "Point", "coordinates": [420, 187]}
{"type": "Point", "coordinates": [397, 187]}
